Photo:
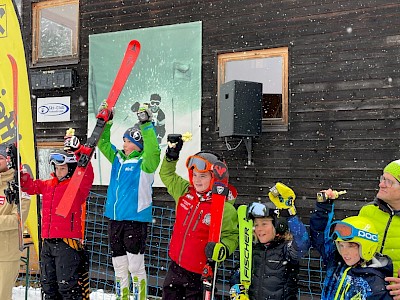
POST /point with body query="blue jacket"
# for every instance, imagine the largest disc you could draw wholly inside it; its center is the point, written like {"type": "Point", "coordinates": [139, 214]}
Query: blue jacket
{"type": "Point", "coordinates": [129, 194]}
{"type": "Point", "coordinates": [360, 282]}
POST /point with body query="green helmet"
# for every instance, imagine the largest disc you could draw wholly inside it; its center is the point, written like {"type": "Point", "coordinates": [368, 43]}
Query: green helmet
{"type": "Point", "coordinates": [358, 230]}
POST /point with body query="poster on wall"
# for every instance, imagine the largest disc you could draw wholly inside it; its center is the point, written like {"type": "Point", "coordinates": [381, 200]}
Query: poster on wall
{"type": "Point", "coordinates": [167, 75]}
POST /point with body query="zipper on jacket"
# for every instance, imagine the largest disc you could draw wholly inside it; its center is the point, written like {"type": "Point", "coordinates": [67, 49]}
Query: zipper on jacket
{"type": "Point", "coordinates": [386, 231]}
{"type": "Point", "coordinates": [186, 232]}
{"type": "Point", "coordinates": [187, 216]}
{"type": "Point", "coordinates": [51, 208]}
{"type": "Point", "coordinates": [72, 222]}
{"type": "Point", "coordinates": [197, 220]}
{"type": "Point", "coordinates": [117, 190]}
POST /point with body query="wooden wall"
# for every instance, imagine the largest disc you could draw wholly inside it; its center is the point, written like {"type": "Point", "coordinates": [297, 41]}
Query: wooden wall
{"type": "Point", "coordinates": [343, 87]}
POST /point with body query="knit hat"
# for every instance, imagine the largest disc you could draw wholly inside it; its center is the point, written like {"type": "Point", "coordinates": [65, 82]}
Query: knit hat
{"type": "Point", "coordinates": [135, 136]}
{"type": "Point", "coordinates": [3, 148]}
{"type": "Point", "coordinates": [393, 169]}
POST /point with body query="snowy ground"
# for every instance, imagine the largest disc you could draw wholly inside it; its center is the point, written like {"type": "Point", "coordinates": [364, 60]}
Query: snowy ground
{"type": "Point", "coordinates": [34, 294]}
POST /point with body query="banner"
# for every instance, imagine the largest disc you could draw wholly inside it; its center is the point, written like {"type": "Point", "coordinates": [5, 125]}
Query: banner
{"type": "Point", "coordinates": [167, 75]}
{"type": "Point", "coordinates": [14, 83]}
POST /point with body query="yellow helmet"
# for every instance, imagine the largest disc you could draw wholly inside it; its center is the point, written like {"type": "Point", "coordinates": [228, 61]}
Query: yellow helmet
{"type": "Point", "coordinates": [358, 230]}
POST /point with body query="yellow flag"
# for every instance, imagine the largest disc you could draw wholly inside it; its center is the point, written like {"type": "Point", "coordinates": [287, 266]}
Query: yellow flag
{"type": "Point", "coordinates": [14, 85]}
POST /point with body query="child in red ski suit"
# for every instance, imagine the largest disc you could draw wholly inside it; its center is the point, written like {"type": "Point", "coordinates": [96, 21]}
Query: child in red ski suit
{"type": "Point", "coordinates": [189, 247]}
{"type": "Point", "coordinates": [62, 254]}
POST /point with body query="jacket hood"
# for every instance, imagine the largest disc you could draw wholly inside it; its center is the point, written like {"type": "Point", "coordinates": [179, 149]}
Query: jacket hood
{"type": "Point", "coordinates": [380, 265]}
{"type": "Point", "coordinates": [385, 207]}
{"type": "Point", "coordinates": [6, 176]}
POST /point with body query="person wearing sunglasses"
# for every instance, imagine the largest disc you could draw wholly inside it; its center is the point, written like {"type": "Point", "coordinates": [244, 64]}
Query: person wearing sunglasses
{"type": "Point", "coordinates": [62, 258]}
{"type": "Point", "coordinates": [349, 248]}
{"type": "Point", "coordinates": [189, 248]}
{"type": "Point", "coordinates": [385, 211]}
{"type": "Point", "coordinates": [129, 200]}
{"type": "Point", "coordinates": [10, 254]}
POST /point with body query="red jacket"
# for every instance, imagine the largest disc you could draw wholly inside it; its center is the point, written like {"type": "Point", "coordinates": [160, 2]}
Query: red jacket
{"type": "Point", "coordinates": [190, 234]}
{"type": "Point", "coordinates": [53, 225]}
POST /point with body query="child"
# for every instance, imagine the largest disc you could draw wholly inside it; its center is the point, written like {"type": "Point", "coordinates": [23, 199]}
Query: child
{"type": "Point", "coordinates": [129, 200]}
{"type": "Point", "coordinates": [187, 248]}
{"type": "Point", "coordinates": [9, 246]}
{"type": "Point", "coordinates": [281, 239]}
{"type": "Point", "coordinates": [62, 252]}
{"type": "Point", "coordinates": [354, 268]}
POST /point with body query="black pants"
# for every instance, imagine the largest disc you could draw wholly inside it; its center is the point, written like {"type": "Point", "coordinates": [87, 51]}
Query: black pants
{"type": "Point", "coordinates": [127, 236]}
{"type": "Point", "coordinates": [59, 270]}
{"type": "Point", "coordinates": [182, 284]}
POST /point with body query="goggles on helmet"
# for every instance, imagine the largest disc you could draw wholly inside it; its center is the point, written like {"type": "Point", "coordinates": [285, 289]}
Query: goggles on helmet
{"type": "Point", "coordinates": [347, 232]}
{"type": "Point", "coordinates": [198, 163]}
{"type": "Point", "coordinates": [60, 159]}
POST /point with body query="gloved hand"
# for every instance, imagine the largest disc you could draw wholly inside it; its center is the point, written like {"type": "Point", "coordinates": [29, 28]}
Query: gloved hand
{"type": "Point", "coordinates": [238, 292]}
{"type": "Point", "coordinates": [144, 113]}
{"type": "Point", "coordinates": [216, 251]}
{"type": "Point", "coordinates": [283, 197]}
{"type": "Point", "coordinates": [71, 144]}
{"type": "Point", "coordinates": [104, 112]}
{"type": "Point", "coordinates": [329, 195]}
{"type": "Point", "coordinates": [175, 143]}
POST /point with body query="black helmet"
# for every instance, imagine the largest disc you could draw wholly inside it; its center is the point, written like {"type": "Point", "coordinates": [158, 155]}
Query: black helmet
{"type": "Point", "coordinates": [264, 210]}
{"type": "Point", "coordinates": [61, 157]}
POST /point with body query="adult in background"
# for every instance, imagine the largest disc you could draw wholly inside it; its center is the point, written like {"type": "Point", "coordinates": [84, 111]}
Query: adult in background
{"type": "Point", "coordinates": [385, 211]}
{"type": "Point", "coordinates": [9, 246]}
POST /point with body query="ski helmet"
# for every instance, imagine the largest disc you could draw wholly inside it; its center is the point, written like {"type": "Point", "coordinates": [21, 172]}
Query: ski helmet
{"type": "Point", "coordinates": [265, 210]}
{"type": "Point", "coordinates": [358, 230]}
{"type": "Point", "coordinates": [61, 157]}
{"type": "Point", "coordinates": [135, 136]}
{"type": "Point", "coordinates": [202, 162]}
{"type": "Point", "coordinates": [155, 101]}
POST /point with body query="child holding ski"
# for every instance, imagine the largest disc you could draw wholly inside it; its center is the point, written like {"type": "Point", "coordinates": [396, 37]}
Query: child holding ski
{"type": "Point", "coordinates": [62, 255]}
{"type": "Point", "coordinates": [9, 246]}
{"type": "Point", "coordinates": [189, 248]}
{"type": "Point", "coordinates": [355, 270]}
{"type": "Point", "coordinates": [281, 240]}
{"type": "Point", "coordinates": [129, 200]}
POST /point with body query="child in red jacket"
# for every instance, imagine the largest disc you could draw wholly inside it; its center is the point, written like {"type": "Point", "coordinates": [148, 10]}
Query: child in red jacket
{"type": "Point", "coordinates": [62, 253]}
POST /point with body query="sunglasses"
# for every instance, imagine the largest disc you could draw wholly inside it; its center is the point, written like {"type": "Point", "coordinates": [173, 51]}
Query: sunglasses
{"type": "Point", "coordinates": [347, 232]}
{"type": "Point", "coordinates": [198, 163]}
{"type": "Point", "coordinates": [154, 102]}
{"type": "Point", "coordinates": [60, 159]}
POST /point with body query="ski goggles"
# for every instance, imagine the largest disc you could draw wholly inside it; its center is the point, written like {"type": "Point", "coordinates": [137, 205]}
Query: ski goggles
{"type": "Point", "coordinates": [61, 159]}
{"type": "Point", "coordinates": [155, 103]}
{"type": "Point", "coordinates": [347, 232]}
{"type": "Point", "coordinates": [198, 163]}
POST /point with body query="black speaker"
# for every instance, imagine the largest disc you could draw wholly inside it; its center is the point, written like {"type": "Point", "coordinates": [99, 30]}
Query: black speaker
{"type": "Point", "coordinates": [240, 108]}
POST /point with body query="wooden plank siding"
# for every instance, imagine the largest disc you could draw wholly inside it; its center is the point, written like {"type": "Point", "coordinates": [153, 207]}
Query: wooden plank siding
{"type": "Point", "coordinates": [344, 106]}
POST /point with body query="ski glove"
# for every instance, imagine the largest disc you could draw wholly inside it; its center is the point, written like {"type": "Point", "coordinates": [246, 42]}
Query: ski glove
{"type": "Point", "coordinates": [238, 292]}
{"type": "Point", "coordinates": [283, 197]}
{"type": "Point", "coordinates": [216, 251]}
{"type": "Point", "coordinates": [144, 113]}
{"type": "Point", "coordinates": [175, 144]}
{"type": "Point", "coordinates": [72, 144]}
{"type": "Point", "coordinates": [104, 112]}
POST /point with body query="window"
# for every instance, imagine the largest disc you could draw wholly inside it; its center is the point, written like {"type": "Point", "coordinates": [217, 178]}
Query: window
{"type": "Point", "coordinates": [270, 67]}
{"type": "Point", "coordinates": [55, 32]}
{"type": "Point", "coordinates": [43, 151]}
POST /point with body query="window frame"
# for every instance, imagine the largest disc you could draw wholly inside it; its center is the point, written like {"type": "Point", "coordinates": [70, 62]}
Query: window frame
{"type": "Point", "coordinates": [268, 124]}
{"type": "Point", "coordinates": [59, 60]}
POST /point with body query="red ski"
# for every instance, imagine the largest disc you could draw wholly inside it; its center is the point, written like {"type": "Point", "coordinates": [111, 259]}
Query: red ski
{"type": "Point", "coordinates": [87, 151]}
{"type": "Point", "coordinates": [220, 191]}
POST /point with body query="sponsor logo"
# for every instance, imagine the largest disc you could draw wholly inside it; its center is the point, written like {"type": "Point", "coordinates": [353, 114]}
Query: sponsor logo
{"type": "Point", "coordinates": [207, 219]}
{"type": "Point", "coordinates": [2, 200]}
{"type": "Point", "coordinates": [247, 253]}
{"type": "Point", "coordinates": [53, 109]}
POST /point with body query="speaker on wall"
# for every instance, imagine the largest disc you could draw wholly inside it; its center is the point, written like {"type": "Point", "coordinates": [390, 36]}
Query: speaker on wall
{"type": "Point", "coordinates": [240, 112]}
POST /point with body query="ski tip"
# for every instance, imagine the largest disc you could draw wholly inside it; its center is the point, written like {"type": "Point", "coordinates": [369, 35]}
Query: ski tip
{"type": "Point", "coordinates": [134, 45]}
{"type": "Point", "coordinates": [220, 171]}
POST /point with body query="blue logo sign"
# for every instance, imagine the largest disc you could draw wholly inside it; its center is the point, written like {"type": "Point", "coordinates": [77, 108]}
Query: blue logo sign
{"type": "Point", "coordinates": [53, 109]}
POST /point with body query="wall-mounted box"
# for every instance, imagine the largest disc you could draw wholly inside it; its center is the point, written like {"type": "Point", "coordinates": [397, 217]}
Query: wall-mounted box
{"type": "Point", "coordinates": [52, 79]}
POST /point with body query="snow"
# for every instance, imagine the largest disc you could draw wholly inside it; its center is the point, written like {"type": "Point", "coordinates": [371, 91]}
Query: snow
{"type": "Point", "coordinates": [34, 294]}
